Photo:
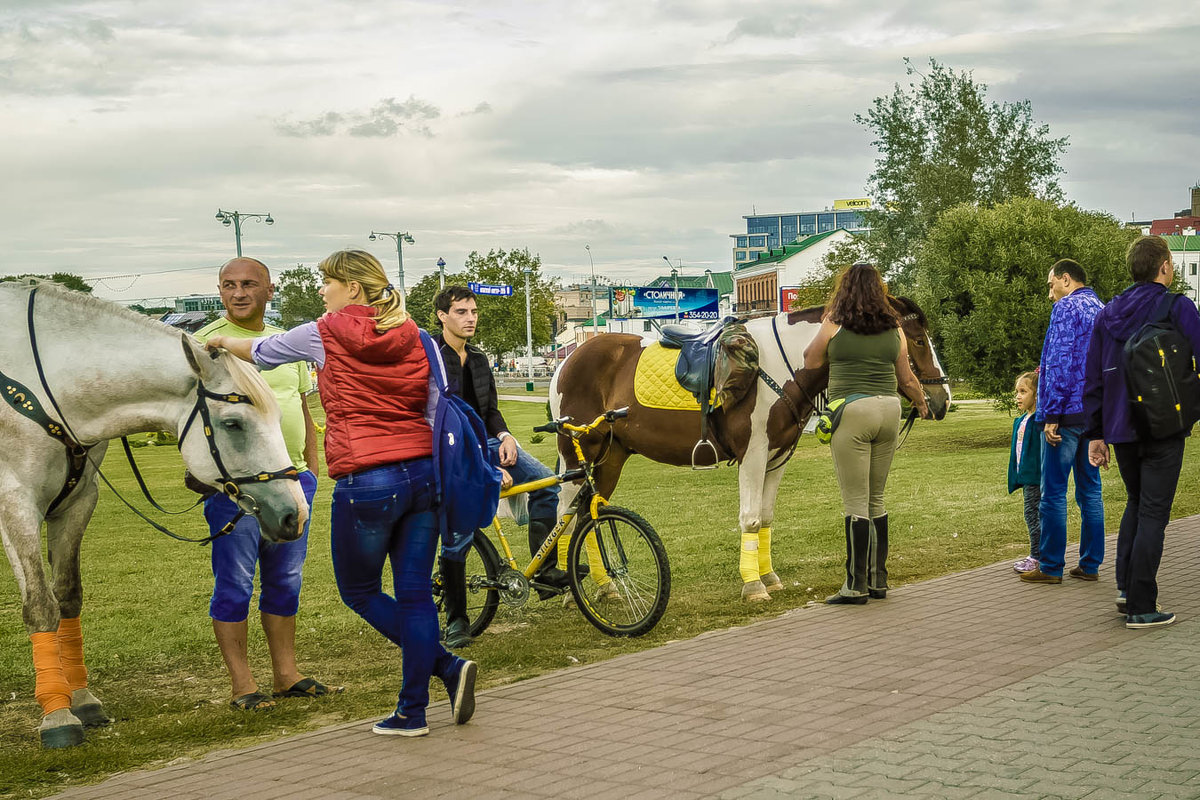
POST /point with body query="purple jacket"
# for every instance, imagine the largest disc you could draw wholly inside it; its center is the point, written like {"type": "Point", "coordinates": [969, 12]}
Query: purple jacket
{"type": "Point", "coordinates": [1106, 398]}
{"type": "Point", "coordinates": [1060, 377]}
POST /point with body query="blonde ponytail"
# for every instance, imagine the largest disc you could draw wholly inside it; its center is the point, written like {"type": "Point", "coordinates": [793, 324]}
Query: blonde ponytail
{"type": "Point", "coordinates": [361, 266]}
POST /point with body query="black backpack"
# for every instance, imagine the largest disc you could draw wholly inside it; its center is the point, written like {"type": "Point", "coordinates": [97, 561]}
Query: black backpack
{"type": "Point", "coordinates": [1160, 373]}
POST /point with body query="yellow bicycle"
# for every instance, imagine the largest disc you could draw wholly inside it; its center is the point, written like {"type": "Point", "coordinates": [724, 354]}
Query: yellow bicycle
{"type": "Point", "coordinates": [616, 564]}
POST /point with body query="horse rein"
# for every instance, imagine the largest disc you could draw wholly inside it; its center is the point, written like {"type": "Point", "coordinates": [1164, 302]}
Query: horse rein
{"type": "Point", "coordinates": [81, 453]}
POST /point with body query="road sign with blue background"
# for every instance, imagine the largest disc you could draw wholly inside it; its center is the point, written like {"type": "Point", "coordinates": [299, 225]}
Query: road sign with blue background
{"type": "Point", "coordinates": [491, 289]}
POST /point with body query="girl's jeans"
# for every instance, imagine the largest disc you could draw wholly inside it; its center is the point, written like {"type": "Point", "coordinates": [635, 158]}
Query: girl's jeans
{"type": "Point", "coordinates": [386, 513]}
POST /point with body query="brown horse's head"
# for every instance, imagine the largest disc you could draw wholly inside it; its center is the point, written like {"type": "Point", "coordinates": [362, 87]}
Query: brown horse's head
{"type": "Point", "coordinates": [921, 354]}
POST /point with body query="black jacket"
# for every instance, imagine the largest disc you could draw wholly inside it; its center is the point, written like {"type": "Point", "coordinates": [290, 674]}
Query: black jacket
{"type": "Point", "coordinates": [482, 377]}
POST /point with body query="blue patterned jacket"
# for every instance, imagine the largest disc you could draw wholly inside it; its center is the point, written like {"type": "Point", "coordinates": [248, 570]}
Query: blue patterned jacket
{"type": "Point", "coordinates": [1064, 357]}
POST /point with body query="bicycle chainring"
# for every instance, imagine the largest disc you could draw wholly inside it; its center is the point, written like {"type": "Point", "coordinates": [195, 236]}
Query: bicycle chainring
{"type": "Point", "coordinates": [514, 587]}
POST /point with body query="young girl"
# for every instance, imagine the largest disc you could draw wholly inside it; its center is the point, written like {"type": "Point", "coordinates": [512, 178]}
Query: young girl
{"type": "Point", "coordinates": [1025, 464]}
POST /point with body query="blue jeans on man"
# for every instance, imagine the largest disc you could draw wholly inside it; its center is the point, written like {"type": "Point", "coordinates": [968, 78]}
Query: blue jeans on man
{"type": "Point", "coordinates": [386, 514]}
{"type": "Point", "coordinates": [1058, 462]}
{"type": "Point", "coordinates": [235, 556]}
{"type": "Point", "coordinates": [543, 504]}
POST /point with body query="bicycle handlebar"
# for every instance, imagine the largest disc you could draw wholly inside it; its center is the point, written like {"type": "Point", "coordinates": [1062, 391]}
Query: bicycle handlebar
{"type": "Point", "coordinates": [564, 423]}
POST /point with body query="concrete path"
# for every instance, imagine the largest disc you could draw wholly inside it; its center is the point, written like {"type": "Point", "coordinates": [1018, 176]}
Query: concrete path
{"type": "Point", "coordinates": [973, 685]}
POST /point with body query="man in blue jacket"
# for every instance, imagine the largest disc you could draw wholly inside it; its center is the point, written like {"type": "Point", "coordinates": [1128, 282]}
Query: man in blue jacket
{"type": "Point", "coordinates": [1060, 407]}
{"type": "Point", "coordinates": [1149, 467]}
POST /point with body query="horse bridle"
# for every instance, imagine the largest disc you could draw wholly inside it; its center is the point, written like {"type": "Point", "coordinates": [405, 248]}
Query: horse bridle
{"type": "Point", "coordinates": [939, 380]}
{"type": "Point", "coordinates": [79, 452]}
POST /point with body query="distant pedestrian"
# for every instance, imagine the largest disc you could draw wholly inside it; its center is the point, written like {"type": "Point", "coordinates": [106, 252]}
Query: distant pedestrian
{"type": "Point", "coordinates": [1060, 408]}
{"type": "Point", "coordinates": [1149, 467]}
{"type": "Point", "coordinates": [1025, 465]}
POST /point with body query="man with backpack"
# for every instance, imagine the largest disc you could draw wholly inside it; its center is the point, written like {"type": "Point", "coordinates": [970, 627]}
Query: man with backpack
{"type": "Point", "coordinates": [1060, 408]}
{"type": "Point", "coordinates": [470, 374]}
{"type": "Point", "coordinates": [1119, 387]}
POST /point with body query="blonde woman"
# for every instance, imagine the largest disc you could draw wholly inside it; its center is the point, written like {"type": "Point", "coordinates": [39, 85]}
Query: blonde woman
{"type": "Point", "coordinates": [374, 379]}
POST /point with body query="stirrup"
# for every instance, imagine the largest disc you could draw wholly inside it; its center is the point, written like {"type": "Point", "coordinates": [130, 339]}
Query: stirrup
{"type": "Point", "coordinates": [712, 448]}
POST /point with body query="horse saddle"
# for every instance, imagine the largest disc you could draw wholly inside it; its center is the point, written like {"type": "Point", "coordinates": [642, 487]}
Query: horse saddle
{"type": "Point", "coordinates": [717, 366]}
{"type": "Point", "coordinates": [697, 356]}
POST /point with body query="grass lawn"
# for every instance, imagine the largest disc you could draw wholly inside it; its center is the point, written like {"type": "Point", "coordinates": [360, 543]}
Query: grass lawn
{"type": "Point", "coordinates": [154, 662]}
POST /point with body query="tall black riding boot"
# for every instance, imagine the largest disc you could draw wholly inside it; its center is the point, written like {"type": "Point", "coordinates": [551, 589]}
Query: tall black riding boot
{"type": "Point", "coordinates": [858, 541]}
{"type": "Point", "coordinates": [877, 579]}
{"type": "Point", "coordinates": [454, 601]}
{"type": "Point", "coordinates": [549, 574]}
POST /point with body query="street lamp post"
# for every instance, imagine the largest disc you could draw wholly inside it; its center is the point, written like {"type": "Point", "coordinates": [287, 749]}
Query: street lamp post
{"type": "Point", "coordinates": [675, 279]}
{"type": "Point", "coordinates": [400, 238]}
{"type": "Point", "coordinates": [235, 218]}
{"type": "Point", "coordinates": [588, 247]}
{"type": "Point", "coordinates": [528, 329]}
{"type": "Point", "coordinates": [441, 264]}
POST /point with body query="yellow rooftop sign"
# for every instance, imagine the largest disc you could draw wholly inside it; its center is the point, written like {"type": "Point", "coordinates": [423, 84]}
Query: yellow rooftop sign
{"type": "Point", "coordinates": [860, 202]}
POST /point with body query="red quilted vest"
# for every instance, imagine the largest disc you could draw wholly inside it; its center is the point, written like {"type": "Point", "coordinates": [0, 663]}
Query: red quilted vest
{"type": "Point", "coordinates": [374, 388]}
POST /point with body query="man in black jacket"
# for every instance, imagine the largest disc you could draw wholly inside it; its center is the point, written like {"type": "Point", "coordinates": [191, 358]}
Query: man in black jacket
{"type": "Point", "coordinates": [469, 372]}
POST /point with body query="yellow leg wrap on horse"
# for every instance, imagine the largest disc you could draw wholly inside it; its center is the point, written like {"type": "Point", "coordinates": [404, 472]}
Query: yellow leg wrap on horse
{"type": "Point", "coordinates": [70, 650]}
{"type": "Point", "coordinates": [564, 544]}
{"type": "Point", "coordinates": [50, 686]}
{"type": "Point", "coordinates": [748, 562]}
{"type": "Point", "coordinates": [595, 561]}
{"type": "Point", "coordinates": [764, 551]}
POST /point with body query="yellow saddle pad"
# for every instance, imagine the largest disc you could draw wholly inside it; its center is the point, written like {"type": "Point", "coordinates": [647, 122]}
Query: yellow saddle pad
{"type": "Point", "coordinates": [654, 384]}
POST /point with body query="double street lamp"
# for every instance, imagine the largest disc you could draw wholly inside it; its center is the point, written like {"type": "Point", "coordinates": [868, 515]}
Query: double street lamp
{"type": "Point", "coordinates": [588, 247]}
{"type": "Point", "coordinates": [235, 218]}
{"type": "Point", "coordinates": [400, 238]}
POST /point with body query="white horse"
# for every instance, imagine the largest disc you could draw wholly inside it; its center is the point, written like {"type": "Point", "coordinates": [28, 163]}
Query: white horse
{"type": "Point", "coordinates": [757, 429]}
{"type": "Point", "coordinates": [75, 372]}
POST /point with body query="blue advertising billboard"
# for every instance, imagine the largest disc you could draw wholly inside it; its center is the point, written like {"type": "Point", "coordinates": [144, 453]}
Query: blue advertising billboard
{"type": "Point", "coordinates": [659, 302]}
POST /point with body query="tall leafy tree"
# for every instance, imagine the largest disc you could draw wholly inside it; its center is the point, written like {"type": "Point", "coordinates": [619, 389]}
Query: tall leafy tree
{"type": "Point", "coordinates": [817, 288]}
{"type": "Point", "coordinates": [67, 279]}
{"type": "Point", "coordinates": [942, 143]}
{"type": "Point", "coordinates": [299, 295]}
{"type": "Point", "coordinates": [502, 319]}
{"type": "Point", "coordinates": [982, 277]}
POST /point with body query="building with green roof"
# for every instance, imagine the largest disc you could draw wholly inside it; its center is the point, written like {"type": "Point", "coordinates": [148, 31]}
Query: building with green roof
{"type": "Point", "coordinates": [759, 284]}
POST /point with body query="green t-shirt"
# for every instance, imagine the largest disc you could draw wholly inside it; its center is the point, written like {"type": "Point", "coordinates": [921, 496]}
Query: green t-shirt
{"type": "Point", "coordinates": [861, 364]}
{"type": "Point", "coordinates": [290, 383]}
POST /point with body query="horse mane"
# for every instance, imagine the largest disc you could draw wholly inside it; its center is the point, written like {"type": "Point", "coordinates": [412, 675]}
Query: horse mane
{"type": "Point", "coordinates": [246, 379]}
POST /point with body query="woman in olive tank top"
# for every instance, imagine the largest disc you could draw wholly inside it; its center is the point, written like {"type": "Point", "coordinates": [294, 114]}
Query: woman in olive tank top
{"type": "Point", "coordinates": [861, 341]}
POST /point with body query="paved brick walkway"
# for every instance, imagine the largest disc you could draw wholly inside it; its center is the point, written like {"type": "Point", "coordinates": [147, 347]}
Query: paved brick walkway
{"type": "Point", "coordinates": [973, 685]}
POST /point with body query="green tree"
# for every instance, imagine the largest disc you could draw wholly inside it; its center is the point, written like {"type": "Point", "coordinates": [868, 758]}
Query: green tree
{"type": "Point", "coordinates": [67, 279]}
{"type": "Point", "coordinates": [502, 319]}
{"type": "Point", "coordinates": [942, 143]}
{"type": "Point", "coordinates": [982, 277]}
{"type": "Point", "coordinates": [299, 295]}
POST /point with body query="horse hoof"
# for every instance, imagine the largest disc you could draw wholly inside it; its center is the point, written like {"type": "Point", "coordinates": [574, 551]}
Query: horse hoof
{"type": "Point", "coordinates": [60, 729]}
{"type": "Point", "coordinates": [754, 592]}
{"type": "Point", "coordinates": [607, 592]}
{"type": "Point", "coordinates": [88, 709]}
{"type": "Point", "coordinates": [772, 583]}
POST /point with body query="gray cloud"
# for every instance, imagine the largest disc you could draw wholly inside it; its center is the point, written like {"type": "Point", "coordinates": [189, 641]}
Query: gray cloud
{"type": "Point", "coordinates": [387, 118]}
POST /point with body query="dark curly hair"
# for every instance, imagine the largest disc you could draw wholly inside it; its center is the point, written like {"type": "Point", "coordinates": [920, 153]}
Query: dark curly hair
{"type": "Point", "coordinates": [860, 302]}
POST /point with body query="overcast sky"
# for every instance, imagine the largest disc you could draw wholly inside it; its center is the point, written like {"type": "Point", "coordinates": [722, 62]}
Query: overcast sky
{"type": "Point", "coordinates": [641, 128]}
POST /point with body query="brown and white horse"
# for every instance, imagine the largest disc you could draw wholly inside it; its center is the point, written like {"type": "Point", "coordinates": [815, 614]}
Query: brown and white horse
{"type": "Point", "coordinates": [758, 431]}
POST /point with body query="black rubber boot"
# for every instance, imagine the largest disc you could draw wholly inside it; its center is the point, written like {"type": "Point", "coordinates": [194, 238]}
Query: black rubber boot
{"type": "Point", "coordinates": [858, 541]}
{"type": "Point", "coordinates": [877, 580]}
{"type": "Point", "coordinates": [454, 599]}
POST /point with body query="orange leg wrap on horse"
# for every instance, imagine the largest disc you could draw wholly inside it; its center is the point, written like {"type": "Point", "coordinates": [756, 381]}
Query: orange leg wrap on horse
{"type": "Point", "coordinates": [50, 687]}
{"type": "Point", "coordinates": [70, 650]}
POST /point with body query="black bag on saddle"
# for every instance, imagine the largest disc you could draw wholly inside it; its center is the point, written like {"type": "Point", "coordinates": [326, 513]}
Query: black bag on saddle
{"type": "Point", "coordinates": [1160, 373]}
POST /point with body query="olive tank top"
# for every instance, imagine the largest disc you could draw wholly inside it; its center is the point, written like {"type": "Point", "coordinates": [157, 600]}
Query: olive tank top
{"type": "Point", "coordinates": [863, 364]}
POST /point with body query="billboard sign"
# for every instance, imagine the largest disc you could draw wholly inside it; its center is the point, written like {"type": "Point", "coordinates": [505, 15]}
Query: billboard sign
{"type": "Point", "coordinates": [852, 205]}
{"type": "Point", "coordinates": [659, 302]}
{"type": "Point", "coordinates": [787, 296]}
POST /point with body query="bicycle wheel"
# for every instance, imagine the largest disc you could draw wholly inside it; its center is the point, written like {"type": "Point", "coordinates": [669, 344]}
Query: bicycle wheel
{"type": "Point", "coordinates": [629, 580]}
{"type": "Point", "coordinates": [482, 567]}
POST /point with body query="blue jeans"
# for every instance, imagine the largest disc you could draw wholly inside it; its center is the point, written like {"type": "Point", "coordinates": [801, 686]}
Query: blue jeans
{"type": "Point", "coordinates": [235, 555]}
{"type": "Point", "coordinates": [1057, 463]}
{"type": "Point", "coordinates": [543, 504]}
{"type": "Point", "coordinates": [383, 514]}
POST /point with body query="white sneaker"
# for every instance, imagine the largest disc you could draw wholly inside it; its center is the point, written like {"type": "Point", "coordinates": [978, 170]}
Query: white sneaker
{"type": "Point", "coordinates": [1026, 564]}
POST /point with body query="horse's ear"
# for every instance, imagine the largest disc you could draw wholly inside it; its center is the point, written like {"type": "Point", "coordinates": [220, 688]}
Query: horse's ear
{"type": "Point", "coordinates": [195, 355]}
